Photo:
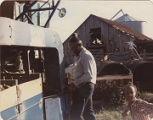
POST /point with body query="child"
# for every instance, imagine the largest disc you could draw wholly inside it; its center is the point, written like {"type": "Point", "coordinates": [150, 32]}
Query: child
{"type": "Point", "coordinates": [139, 109]}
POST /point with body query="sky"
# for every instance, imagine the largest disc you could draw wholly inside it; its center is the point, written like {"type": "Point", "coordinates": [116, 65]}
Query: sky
{"type": "Point", "coordinates": [79, 10]}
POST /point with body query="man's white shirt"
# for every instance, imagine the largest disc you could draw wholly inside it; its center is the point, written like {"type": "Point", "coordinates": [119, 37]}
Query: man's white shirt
{"type": "Point", "coordinates": [85, 69]}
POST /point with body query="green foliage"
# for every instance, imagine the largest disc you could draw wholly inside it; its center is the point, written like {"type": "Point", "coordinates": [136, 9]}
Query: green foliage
{"type": "Point", "coordinates": [142, 95]}
{"type": "Point", "coordinates": [116, 96]}
{"type": "Point", "coordinates": [116, 106]}
{"type": "Point", "coordinates": [146, 96]}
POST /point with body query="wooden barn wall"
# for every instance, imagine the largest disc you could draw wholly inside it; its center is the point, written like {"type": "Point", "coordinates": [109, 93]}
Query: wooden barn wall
{"type": "Point", "coordinates": [125, 39]}
{"type": "Point", "coordinates": [113, 39]}
{"type": "Point", "coordinates": [105, 34]}
{"type": "Point", "coordinates": [120, 41]}
{"type": "Point", "coordinates": [84, 30]}
{"type": "Point", "coordinates": [68, 56]}
{"type": "Point", "coordinates": [82, 33]}
{"type": "Point", "coordinates": [116, 39]}
{"type": "Point", "coordinates": [93, 23]}
{"type": "Point", "coordinates": [111, 43]}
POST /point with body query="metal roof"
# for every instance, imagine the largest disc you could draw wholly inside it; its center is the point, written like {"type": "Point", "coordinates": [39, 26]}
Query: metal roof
{"type": "Point", "coordinates": [141, 38]}
{"type": "Point", "coordinates": [126, 18]}
{"type": "Point", "coordinates": [125, 29]}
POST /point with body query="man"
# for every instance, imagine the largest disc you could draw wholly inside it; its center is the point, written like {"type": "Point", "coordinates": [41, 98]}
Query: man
{"type": "Point", "coordinates": [84, 82]}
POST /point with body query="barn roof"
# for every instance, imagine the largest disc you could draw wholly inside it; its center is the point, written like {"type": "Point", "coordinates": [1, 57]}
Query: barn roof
{"type": "Point", "coordinates": [125, 29]}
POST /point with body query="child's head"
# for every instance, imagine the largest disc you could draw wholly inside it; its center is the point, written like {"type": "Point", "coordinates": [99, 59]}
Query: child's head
{"type": "Point", "coordinates": [130, 91]}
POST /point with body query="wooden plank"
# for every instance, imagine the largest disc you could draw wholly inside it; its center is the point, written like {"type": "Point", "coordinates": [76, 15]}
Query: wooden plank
{"type": "Point", "coordinates": [114, 77]}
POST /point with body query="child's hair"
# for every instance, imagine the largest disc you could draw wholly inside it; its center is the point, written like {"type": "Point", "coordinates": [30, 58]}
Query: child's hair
{"type": "Point", "coordinates": [128, 86]}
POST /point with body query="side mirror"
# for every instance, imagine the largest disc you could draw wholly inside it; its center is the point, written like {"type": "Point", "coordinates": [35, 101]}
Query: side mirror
{"type": "Point", "coordinates": [62, 12]}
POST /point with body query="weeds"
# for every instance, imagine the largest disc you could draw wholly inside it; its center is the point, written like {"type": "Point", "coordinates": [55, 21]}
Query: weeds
{"type": "Point", "coordinates": [111, 114]}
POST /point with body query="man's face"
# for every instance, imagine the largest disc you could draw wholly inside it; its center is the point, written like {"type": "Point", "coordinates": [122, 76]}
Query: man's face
{"type": "Point", "coordinates": [74, 48]}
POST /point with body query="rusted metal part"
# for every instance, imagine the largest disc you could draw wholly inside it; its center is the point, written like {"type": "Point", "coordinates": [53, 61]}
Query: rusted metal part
{"type": "Point", "coordinates": [106, 84]}
{"type": "Point", "coordinates": [112, 68]}
{"type": "Point", "coordinates": [142, 75]}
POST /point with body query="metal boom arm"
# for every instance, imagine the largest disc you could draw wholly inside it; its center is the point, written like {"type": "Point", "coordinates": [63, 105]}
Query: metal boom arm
{"type": "Point", "coordinates": [28, 8]}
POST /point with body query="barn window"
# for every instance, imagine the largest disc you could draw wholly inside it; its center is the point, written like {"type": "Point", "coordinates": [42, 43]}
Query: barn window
{"type": "Point", "coordinates": [95, 36]}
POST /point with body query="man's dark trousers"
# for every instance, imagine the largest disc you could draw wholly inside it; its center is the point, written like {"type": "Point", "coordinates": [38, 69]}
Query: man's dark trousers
{"type": "Point", "coordinates": [82, 105]}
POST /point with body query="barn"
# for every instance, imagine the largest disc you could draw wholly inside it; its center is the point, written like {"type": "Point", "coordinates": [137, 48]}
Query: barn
{"type": "Point", "coordinates": [114, 45]}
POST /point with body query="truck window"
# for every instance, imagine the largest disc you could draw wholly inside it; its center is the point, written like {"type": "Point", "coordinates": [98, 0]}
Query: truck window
{"type": "Point", "coordinates": [24, 64]}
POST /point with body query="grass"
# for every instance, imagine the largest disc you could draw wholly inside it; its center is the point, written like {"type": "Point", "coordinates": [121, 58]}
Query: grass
{"type": "Point", "coordinates": [105, 111]}
{"type": "Point", "coordinates": [111, 114]}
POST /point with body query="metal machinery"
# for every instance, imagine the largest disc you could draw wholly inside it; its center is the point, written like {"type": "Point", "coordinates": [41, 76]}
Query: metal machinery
{"type": "Point", "coordinates": [31, 62]}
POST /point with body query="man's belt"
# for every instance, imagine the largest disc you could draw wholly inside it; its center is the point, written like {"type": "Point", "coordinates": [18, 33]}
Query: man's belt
{"type": "Point", "coordinates": [82, 84]}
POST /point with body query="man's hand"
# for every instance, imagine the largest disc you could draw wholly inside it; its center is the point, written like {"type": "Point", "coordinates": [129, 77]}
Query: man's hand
{"type": "Point", "coordinates": [71, 87]}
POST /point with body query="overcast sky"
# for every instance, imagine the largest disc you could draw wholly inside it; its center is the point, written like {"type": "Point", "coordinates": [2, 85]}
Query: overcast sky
{"type": "Point", "coordinates": [78, 11]}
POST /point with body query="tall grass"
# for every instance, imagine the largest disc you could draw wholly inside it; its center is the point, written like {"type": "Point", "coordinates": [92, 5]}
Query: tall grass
{"type": "Point", "coordinates": [111, 114]}
{"type": "Point", "coordinates": [107, 111]}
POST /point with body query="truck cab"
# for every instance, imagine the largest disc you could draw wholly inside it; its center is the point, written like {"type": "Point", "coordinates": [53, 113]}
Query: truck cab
{"type": "Point", "coordinates": [31, 62]}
